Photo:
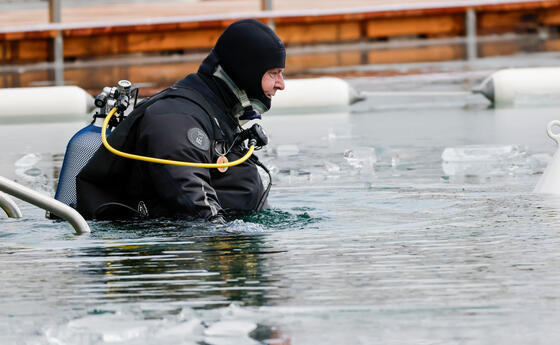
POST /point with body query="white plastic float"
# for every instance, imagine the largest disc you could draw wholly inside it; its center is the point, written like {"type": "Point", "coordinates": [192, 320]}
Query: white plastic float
{"type": "Point", "coordinates": [549, 182]}
{"type": "Point", "coordinates": [522, 86]}
{"type": "Point", "coordinates": [44, 103]}
{"type": "Point", "coordinates": [316, 93]}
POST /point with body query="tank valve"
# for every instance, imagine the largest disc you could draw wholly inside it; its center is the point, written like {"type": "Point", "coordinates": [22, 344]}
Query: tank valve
{"type": "Point", "coordinates": [120, 97]}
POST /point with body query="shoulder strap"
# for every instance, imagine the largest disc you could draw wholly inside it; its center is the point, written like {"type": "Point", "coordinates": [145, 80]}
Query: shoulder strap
{"type": "Point", "coordinates": [209, 107]}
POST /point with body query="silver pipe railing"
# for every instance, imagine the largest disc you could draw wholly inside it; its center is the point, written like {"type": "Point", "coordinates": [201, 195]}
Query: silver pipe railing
{"type": "Point", "coordinates": [49, 204]}
{"type": "Point", "coordinates": [9, 206]}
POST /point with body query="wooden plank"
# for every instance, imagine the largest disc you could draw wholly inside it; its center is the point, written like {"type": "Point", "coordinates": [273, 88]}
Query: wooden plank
{"type": "Point", "coordinates": [8, 80]}
{"type": "Point", "coordinates": [318, 32]}
{"type": "Point", "coordinates": [5, 53]}
{"type": "Point", "coordinates": [551, 45]}
{"type": "Point", "coordinates": [488, 49]}
{"type": "Point", "coordinates": [517, 6]}
{"type": "Point", "coordinates": [550, 17]}
{"type": "Point", "coordinates": [30, 50]}
{"type": "Point", "coordinates": [30, 78]}
{"type": "Point", "coordinates": [139, 42]}
{"type": "Point", "coordinates": [350, 31]}
{"type": "Point", "coordinates": [503, 22]}
{"type": "Point", "coordinates": [94, 46]}
{"type": "Point", "coordinates": [442, 24]}
{"type": "Point", "coordinates": [300, 63]}
{"type": "Point", "coordinates": [176, 40]}
{"type": "Point", "coordinates": [425, 54]}
{"type": "Point", "coordinates": [166, 76]}
{"type": "Point", "coordinates": [27, 35]}
{"type": "Point", "coordinates": [95, 79]}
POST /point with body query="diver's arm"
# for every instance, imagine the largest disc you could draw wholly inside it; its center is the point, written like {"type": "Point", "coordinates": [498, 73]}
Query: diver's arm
{"type": "Point", "coordinates": [183, 190]}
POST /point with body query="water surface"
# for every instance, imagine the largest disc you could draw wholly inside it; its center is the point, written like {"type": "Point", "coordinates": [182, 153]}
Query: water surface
{"type": "Point", "coordinates": [370, 240]}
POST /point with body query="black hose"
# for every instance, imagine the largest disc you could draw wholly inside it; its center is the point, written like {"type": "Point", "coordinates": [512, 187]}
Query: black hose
{"type": "Point", "coordinates": [267, 190]}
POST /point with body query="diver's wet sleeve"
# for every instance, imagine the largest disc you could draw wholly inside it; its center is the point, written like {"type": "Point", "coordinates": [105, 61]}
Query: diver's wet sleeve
{"type": "Point", "coordinates": [183, 190]}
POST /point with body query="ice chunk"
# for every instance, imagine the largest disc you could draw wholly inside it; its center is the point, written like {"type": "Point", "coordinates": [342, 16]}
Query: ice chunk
{"type": "Point", "coordinates": [484, 160]}
{"type": "Point", "coordinates": [332, 167]}
{"type": "Point", "coordinates": [231, 328]}
{"type": "Point", "coordinates": [361, 157]}
{"type": "Point", "coordinates": [478, 153]}
{"type": "Point", "coordinates": [28, 160]}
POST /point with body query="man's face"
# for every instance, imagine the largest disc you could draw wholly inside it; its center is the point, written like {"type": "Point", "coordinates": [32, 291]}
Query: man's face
{"type": "Point", "coordinates": [272, 80]}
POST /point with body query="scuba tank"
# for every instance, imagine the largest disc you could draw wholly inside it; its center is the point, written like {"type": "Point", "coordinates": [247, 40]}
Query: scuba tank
{"type": "Point", "coordinates": [83, 145]}
{"type": "Point", "coordinates": [79, 151]}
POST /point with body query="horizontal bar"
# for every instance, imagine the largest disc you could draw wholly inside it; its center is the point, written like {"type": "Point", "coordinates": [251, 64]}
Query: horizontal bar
{"type": "Point", "coordinates": [54, 206]}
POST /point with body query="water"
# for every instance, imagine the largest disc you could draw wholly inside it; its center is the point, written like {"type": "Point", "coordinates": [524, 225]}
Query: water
{"type": "Point", "coordinates": [370, 240]}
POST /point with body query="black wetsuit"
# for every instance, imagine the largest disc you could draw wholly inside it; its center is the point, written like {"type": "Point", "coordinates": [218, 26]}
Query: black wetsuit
{"type": "Point", "coordinates": [193, 122]}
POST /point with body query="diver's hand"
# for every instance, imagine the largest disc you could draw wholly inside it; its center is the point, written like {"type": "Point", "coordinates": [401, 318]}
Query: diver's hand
{"type": "Point", "coordinates": [217, 219]}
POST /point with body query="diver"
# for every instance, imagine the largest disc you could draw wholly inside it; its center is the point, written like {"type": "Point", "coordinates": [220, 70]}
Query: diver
{"type": "Point", "coordinates": [198, 119]}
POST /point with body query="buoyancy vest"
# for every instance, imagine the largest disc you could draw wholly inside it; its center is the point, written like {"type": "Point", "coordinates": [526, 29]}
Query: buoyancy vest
{"type": "Point", "coordinates": [100, 185]}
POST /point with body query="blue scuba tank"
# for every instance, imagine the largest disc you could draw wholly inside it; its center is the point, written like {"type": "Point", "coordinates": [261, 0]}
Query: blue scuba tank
{"type": "Point", "coordinates": [79, 151]}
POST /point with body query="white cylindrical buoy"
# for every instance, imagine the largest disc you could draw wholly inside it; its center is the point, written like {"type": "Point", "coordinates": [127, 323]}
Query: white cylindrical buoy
{"type": "Point", "coordinates": [549, 182]}
{"type": "Point", "coordinates": [44, 103]}
{"type": "Point", "coordinates": [327, 92]}
{"type": "Point", "coordinates": [522, 86]}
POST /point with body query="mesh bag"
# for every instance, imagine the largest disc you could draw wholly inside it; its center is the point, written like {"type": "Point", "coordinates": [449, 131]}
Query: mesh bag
{"type": "Point", "coordinates": [79, 151]}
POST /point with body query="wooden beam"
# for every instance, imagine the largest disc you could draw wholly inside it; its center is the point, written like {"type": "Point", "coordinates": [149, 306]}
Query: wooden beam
{"type": "Point", "coordinates": [550, 17]}
{"type": "Point", "coordinates": [424, 54]}
{"type": "Point", "coordinates": [175, 40]}
{"type": "Point", "coordinates": [318, 32]}
{"type": "Point", "coordinates": [500, 22]}
{"type": "Point", "coordinates": [442, 24]}
{"type": "Point", "coordinates": [300, 63]}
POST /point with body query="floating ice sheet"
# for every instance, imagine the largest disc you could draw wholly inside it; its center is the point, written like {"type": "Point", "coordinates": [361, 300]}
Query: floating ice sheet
{"type": "Point", "coordinates": [483, 153]}
{"type": "Point", "coordinates": [491, 160]}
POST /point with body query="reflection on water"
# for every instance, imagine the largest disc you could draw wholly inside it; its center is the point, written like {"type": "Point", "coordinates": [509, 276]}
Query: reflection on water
{"type": "Point", "coordinates": [207, 271]}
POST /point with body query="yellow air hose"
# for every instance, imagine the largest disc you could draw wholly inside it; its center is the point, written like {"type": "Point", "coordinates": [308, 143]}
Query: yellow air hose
{"type": "Point", "coordinates": [165, 161]}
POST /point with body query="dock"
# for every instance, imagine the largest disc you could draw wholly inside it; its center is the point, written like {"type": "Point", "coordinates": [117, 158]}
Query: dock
{"type": "Point", "coordinates": [90, 32]}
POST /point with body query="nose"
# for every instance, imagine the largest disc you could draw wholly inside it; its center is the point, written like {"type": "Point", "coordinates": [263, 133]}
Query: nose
{"type": "Point", "coordinates": [279, 83]}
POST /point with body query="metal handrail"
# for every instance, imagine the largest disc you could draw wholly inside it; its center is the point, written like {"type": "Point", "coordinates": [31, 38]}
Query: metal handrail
{"type": "Point", "coordinates": [9, 206]}
{"type": "Point", "coordinates": [49, 204]}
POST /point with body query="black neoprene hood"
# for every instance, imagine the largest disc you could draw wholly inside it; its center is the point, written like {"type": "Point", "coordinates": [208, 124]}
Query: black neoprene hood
{"type": "Point", "coordinates": [246, 50]}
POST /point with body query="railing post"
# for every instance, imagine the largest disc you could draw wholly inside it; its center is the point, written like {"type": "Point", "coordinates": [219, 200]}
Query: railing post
{"type": "Point", "coordinates": [470, 25]}
{"type": "Point", "coordinates": [9, 206]}
{"type": "Point", "coordinates": [55, 16]}
{"type": "Point", "coordinates": [46, 203]}
{"type": "Point", "coordinates": [266, 5]}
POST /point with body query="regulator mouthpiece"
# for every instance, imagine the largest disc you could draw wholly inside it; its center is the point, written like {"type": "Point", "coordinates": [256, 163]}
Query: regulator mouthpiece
{"type": "Point", "coordinates": [256, 135]}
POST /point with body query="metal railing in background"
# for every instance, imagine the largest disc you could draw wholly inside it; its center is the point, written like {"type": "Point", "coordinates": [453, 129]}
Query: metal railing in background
{"type": "Point", "coordinates": [55, 16]}
{"type": "Point", "coordinates": [46, 203]}
{"type": "Point", "coordinates": [266, 5]}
